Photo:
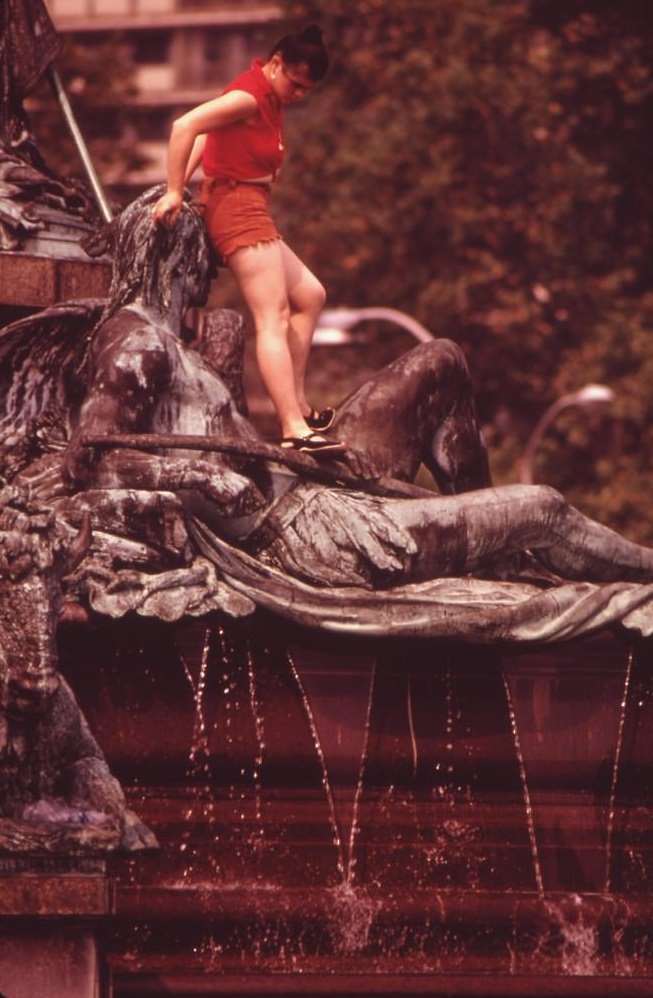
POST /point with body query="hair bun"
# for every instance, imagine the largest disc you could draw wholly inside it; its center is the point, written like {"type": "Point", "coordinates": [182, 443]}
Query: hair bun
{"type": "Point", "coordinates": [312, 34]}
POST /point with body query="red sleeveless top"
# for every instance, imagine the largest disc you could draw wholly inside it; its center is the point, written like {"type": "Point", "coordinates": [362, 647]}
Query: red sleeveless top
{"type": "Point", "coordinates": [253, 148]}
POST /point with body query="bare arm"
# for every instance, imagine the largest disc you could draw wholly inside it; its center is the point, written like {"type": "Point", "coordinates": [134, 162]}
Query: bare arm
{"type": "Point", "coordinates": [183, 147]}
{"type": "Point", "coordinates": [195, 156]}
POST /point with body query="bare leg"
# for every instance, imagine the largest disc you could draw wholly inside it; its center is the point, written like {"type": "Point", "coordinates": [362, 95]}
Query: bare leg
{"type": "Point", "coordinates": [456, 536]}
{"type": "Point", "coordinates": [284, 299]}
{"type": "Point", "coordinates": [419, 409]}
{"type": "Point", "coordinates": [261, 277]}
{"type": "Point", "coordinates": [306, 297]}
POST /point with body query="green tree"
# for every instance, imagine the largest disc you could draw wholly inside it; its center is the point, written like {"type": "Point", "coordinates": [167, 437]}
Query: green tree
{"type": "Point", "coordinates": [485, 165]}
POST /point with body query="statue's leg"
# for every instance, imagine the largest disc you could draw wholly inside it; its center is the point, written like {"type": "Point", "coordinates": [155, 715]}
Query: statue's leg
{"type": "Point", "coordinates": [461, 535]}
{"type": "Point", "coordinates": [419, 409]}
{"type": "Point", "coordinates": [223, 348]}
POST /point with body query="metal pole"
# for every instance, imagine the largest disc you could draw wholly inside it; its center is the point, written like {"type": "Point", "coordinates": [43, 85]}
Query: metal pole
{"type": "Point", "coordinates": [542, 425]}
{"type": "Point", "coordinates": [589, 395]}
{"type": "Point", "coordinates": [80, 144]}
{"type": "Point", "coordinates": [345, 318]}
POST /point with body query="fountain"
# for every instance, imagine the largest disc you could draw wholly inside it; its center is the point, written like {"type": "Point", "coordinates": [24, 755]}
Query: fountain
{"type": "Point", "coordinates": [346, 793]}
{"type": "Point", "coordinates": [416, 785]}
{"type": "Point", "coordinates": [400, 817]}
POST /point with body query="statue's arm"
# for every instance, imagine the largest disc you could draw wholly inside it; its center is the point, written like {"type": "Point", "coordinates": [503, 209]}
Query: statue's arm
{"type": "Point", "coordinates": [130, 372]}
{"type": "Point", "coordinates": [231, 493]}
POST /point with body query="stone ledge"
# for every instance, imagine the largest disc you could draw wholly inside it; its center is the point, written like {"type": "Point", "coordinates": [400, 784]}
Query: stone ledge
{"type": "Point", "coordinates": [41, 281]}
{"type": "Point", "coordinates": [60, 895]}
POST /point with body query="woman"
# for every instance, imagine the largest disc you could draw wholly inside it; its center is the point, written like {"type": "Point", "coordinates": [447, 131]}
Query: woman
{"type": "Point", "coordinates": [239, 139]}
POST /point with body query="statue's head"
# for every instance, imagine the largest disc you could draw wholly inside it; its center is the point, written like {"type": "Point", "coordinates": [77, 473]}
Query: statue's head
{"type": "Point", "coordinates": [150, 259]}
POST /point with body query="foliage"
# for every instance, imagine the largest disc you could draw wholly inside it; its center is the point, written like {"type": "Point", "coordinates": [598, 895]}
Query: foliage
{"type": "Point", "coordinates": [485, 165]}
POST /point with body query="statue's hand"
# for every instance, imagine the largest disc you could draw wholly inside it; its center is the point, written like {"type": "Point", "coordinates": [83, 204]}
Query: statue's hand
{"type": "Point", "coordinates": [136, 836]}
{"type": "Point", "coordinates": [359, 464]}
{"type": "Point", "coordinates": [234, 494]}
{"type": "Point", "coordinates": [167, 208]}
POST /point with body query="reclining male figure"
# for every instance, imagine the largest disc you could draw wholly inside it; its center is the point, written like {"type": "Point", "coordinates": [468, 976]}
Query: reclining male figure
{"type": "Point", "coordinates": [419, 409]}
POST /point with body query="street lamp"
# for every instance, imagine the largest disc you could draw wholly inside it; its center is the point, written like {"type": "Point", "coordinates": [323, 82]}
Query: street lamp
{"type": "Point", "coordinates": [587, 396]}
{"type": "Point", "coordinates": [334, 325]}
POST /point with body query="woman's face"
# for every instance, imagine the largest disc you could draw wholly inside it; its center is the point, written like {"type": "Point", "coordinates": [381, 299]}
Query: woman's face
{"type": "Point", "coordinates": [290, 81]}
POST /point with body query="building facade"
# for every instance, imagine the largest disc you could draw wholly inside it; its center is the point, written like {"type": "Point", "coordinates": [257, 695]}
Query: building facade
{"type": "Point", "coordinates": [184, 52]}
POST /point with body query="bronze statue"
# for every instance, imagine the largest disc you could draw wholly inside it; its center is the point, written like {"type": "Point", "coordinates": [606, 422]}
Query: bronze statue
{"type": "Point", "coordinates": [143, 379]}
{"type": "Point", "coordinates": [52, 772]}
{"type": "Point", "coordinates": [35, 203]}
{"type": "Point", "coordinates": [104, 410]}
{"type": "Point", "coordinates": [303, 541]}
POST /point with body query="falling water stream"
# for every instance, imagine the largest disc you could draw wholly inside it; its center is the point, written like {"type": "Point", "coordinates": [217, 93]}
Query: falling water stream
{"type": "Point", "coordinates": [532, 837]}
{"type": "Point", "coordinates": [354, 909]}
{"type": "Point", "coordinates": [411, 723]}
{"type": "Point", "coordinates": [326, 782]}
{"type": "Point", "coordinates": [199, 756]}
{"type": "Point", "coordinates": [615, 773]}
{"type": "Point", "coordinates": [360, 917]}
{"type": "Point", "coordinates": [358, 794]}
{"type": "Point", "coordinates": [259, 734]}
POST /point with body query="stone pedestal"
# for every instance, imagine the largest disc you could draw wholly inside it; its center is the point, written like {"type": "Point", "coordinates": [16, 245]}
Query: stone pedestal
{"type": "Point", "coordinates": [29, 282]}
{"type": "Point", "coordinates": [50, 916]}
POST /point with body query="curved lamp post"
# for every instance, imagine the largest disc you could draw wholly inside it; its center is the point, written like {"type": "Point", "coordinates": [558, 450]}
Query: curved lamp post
{"type": "Point", "coordinates": [335, 324]}
{"type": "Point", "coordinates": [586, 396]}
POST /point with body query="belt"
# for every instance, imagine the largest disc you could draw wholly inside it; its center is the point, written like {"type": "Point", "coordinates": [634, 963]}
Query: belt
{"type": "Point", "coordinates": [231, 182]}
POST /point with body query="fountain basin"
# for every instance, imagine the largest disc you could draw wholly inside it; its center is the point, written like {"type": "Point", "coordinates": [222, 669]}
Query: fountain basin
{"type": "Point", "coordinates": [369, 818]}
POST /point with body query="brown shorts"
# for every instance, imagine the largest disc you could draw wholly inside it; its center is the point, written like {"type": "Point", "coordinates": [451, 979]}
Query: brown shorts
{"type": "Point", "coordinates": [236, 214]}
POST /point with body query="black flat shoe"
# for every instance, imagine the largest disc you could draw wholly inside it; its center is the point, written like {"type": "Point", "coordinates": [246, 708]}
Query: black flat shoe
{"type": "Point", "coordinates": [322, 420]}
{"type": "Point", "coordinates": [313, 443]}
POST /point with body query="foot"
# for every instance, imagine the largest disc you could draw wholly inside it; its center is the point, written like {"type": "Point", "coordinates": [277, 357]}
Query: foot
{"type": "Point", "coordinates": [313, 443]}
{"type": "Point", "coordinates": [322, 420]}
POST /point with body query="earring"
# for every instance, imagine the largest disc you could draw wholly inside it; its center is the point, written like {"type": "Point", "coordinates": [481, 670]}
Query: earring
{"type": "Point", "coordinates": [274, 74]}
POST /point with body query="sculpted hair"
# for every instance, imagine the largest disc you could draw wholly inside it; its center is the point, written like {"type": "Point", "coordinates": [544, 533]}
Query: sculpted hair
{"type": "Point", "coordinates": [306, 47]}
{"type": "Point", "coordinates": [147, 258]}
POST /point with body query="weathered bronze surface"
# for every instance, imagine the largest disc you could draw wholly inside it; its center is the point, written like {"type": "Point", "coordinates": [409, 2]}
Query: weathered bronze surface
{"type": "Point", "coordinates": [175, 534]}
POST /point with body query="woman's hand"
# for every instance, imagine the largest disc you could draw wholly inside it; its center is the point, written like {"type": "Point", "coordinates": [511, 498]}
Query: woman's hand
{"type": "Point", "coordinates": [167, 208]}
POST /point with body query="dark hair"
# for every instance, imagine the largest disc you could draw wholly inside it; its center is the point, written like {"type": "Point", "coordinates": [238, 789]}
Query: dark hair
{"type": "Point", "coordinates": [148, 257]}
{"type": "Point", "coordinates": [306, 47]}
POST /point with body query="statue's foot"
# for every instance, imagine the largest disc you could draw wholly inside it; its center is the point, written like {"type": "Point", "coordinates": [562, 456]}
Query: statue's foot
{"type": "Point", "coordinates": [313, 443]}
{"type": "Point", "coordinates": [136, 836]}
{"type": "Point", "coordinates": [322, 420]}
